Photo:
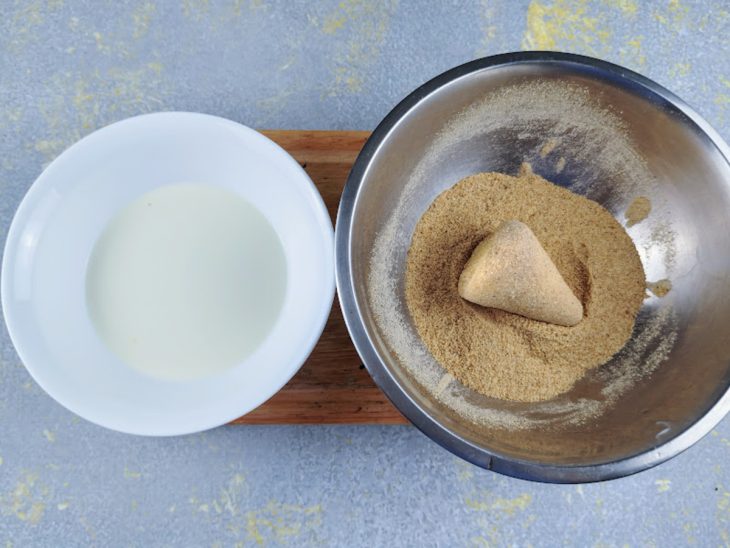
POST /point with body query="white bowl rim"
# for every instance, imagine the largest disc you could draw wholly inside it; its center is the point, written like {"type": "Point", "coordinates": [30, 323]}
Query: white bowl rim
{"type": "Point", "coordinates": [235, 408]}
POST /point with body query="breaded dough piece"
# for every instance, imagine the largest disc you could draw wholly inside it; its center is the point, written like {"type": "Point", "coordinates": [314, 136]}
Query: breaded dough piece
{"type": "Point", "coordinates": [511, 271]}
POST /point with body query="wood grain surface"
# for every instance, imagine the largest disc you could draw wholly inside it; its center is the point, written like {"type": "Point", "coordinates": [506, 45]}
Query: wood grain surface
{"type": "Point", "coordinates": [333, 386]}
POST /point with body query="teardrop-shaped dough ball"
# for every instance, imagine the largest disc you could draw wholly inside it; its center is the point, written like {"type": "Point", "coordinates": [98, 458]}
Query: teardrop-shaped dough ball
{"type": "Point", "coordinates": [511, 271]}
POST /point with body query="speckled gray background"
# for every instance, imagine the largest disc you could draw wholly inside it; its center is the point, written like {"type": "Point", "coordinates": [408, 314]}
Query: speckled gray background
{"type": "Point", "coordinates": [67, 68]}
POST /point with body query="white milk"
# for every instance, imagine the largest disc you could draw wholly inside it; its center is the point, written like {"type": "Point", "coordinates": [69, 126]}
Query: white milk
{"type": "Point", "coordinates": [186, 281]}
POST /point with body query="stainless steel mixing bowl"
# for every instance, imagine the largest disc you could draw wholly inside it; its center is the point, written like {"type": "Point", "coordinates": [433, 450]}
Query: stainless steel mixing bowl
{"type": "Point", "coordinates": [659, 415]}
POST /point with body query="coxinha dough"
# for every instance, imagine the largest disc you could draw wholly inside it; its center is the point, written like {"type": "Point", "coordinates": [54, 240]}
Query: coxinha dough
{"type": "Point", "coordinates": [511, 271]}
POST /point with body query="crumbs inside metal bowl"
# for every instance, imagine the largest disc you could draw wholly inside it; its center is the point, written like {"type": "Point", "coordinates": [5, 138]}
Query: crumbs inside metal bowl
{"type": "Point", "coordinates": [569, 139]}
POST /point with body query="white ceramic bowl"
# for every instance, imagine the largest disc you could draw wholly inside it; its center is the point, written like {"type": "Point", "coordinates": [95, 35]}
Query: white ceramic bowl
{"type": "Point", "coordinates": [64, 212]}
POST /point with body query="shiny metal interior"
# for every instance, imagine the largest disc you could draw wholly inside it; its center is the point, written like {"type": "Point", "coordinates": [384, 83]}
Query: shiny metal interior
{"type": "Point", "coordinates": [660, 415]}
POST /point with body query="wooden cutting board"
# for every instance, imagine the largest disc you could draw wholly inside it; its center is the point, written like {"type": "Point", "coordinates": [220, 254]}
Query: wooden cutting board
{"type": "Point", "coordinates": [333, 386]}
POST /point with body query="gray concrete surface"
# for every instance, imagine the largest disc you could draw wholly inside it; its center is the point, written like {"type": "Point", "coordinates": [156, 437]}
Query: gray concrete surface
{"type": "Point", "coordinates": [68, 67]}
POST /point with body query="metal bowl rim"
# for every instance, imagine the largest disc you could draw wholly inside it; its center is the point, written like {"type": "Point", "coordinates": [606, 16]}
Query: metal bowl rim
{"type": "Point", "coordinates": [523, 469]}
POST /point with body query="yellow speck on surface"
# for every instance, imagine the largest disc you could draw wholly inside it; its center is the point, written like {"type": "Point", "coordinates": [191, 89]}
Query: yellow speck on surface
{"type": "Point", "coordinates": [27, 500]}
{"type": "Point", "coordinates": [464, 471]}
{"type": "Point", "coordinates": [495, 511]}
{"type": "Point", "coordinates": [663, 485]}
{"type": "Point", "coordinates": [581, 26]}
{"type": "Point", "coordinates": [74, 105]}
{"type": "Point", "coordinates": [680, 70]}
{"type": "Point", "coordinates": [141, 18]}
{"type": "Point", "coordinates": [253, 5]}
{"type": "Point", "coordinates": [62, 506]}
{"type": "Point", "coordinates": [723, 514]}
{"type": "Point", "coordinates": [541, 32]}
{"type": "Point", "coordinates": [49, 148]}
{"type": "Point", "coordinates": [235, 490]}
{"type": "Point", "coordinates": [1, 461]}
{"type": "Point", "coordinates": [100, 44]}
{"type": "Point", "coordinates": [565, 25]}
{"type": "Point", "coordinates": [226, 506]}
{"type": "Point", "coordinates": [24, 20]}
{"type": "Point", "coordinates": [333, 23]}
{"type": "Point", "coordinates": [281, 522]}
{"type": "Point", "coordinates": [10, 116]}
{"type": "Point", "coordinates": [276, 102]}
{"type": "Point", "coordinates": [195, 9]}
{"type": "Point", "coordinates": [253, 531]}
{"type": "Point", "coordinates": [365, 25]}
{"type": "Point", "coordinates": [722, 101]}
{"type": "Point", "coordinates": [130, 474]}
{"type": "Point", "coordinates": [510, 506]}
{"type": "Point", "coordinates": [155, 66]}
{"type": "Point", "coordinates": [507, 505]}
{"type": "Point", "coordinates": [675, 6]}
{"type": "Point", "coordinates": [674, 17]}
{"type": "Point", "coordinates": [489, 18]}
{"type": "Point", "coordinates": [633, 53]}
{"type": "Point", "coordinates": [629, 7]}
{"type": "Point", "coordinates": [50, 436]}
{"type": "Point", "coordinates": [344, 78]}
